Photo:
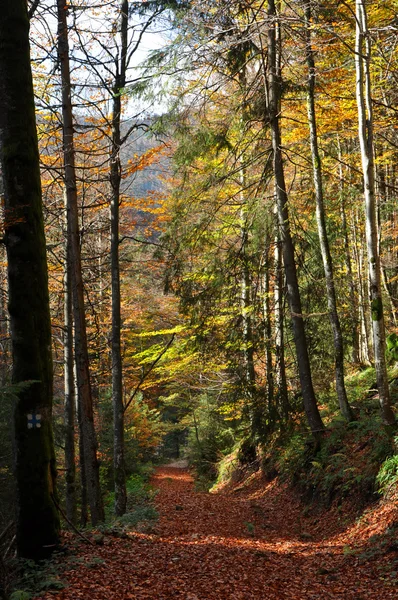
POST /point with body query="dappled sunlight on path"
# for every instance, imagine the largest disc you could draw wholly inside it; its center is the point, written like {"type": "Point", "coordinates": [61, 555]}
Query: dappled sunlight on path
{"type": "Point", "coordinates": [238, 545]}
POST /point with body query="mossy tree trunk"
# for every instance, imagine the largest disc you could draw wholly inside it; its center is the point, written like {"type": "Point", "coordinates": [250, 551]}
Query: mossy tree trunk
{"type": "Point", "coordinates": [37, 516]}
{"type": "Point", "coordinates": [365, 131]}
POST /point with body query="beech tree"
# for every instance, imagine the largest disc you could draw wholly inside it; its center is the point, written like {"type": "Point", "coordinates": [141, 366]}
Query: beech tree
{"type": "Point", "coordinates": [37, 515]}
{"type": "Point", "coordinates": [365, 132]}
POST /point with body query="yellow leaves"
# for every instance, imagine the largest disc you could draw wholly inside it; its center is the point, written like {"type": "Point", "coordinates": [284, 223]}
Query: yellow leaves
{"type": "Point", "coordinates": [149, 334]}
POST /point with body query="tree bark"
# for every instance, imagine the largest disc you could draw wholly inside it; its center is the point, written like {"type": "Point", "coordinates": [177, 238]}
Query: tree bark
{"type": "Point", "coordinates": [280, 367]}
{"type": "Point", "coordinates": [37, 517]}
{"type": "Point", "coordinates": [115, 180]}
{"type": "Point", "coordinates": [70, 399]}
{"type": "Point", "coordinates": [321, 223]}
{"type": "Point", "coordinates": [268, 334]}
{"type": "Point", "coordinates": [350, 276]}
{"type": "Point", "coordinates": [81, 349]}
{"type": "Point", "coordinates": [365, 131]}
{"type": "Point", "coordinates": [274, 97]}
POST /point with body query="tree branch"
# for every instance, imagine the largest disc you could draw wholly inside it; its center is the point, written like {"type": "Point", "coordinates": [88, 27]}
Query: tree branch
{"type": "Point", "coordinates": [145, 375]}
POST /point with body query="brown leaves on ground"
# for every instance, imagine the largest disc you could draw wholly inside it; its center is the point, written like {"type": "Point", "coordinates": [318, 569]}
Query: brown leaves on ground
{"type": "Point", "coordinates": [257, 542]}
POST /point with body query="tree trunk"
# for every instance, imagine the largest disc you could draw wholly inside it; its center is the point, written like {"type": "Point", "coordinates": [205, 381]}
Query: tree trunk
{"type": "Point", "coordinates": [274, 97]}
{"type": "Point", "coordinates": [70, 399]}
{"type": "Point", "coordinates": [37, 517]}
{"type": "Point", "coordinates": [321, 223]}
{"type": "Point", "coordinates": [81, 349]}
{"type": "Point", "coordinates": [365, 130]}
{"type": "Point", "coordinates": [280, 368]}
{"type": "Point", "coordinates": [247, 332]}
{"type": "Point", "coordinates": [363, 331]}
{"type": "Point", "coordinates": [4, 334]}
{"type": "Point", "coordinates": [268, 335]}
{"type": "Point", "coordinates": [115, 180]}
{"type": "Point", "coordinates": [350, 276]}
{"type": "Point", "coordinates": [382, 195]}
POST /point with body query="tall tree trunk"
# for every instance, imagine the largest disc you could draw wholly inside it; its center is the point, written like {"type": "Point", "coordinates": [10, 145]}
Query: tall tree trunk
{"type": "Point", "coordinates": [268, 334]}
{"type": "Point", "coordinates": [70, 399]}
{"type": "Point", "coordinates": [81, 349]}
{"type": "Point", "coordinates": [115, 180]}
{"type": "Point", "coordinates": [37, 517]}
{"type": "Point", "coordinates": [82, 463]}
{"type": "Point", "coordinates": [365, 349]}
{"type": "Point", "coordinates": [280, 367]}
{"type": "Point", "coordinates": [365, 129]}
{"type": "Point", "coordinates": [274, 98]}
{"type": "Point", "coordinates": [350, 276]}
{"type": "Point", "coordinates": [382, 195]}
{"type": "Point", "coordinates": [321, 223]}
{"type": "Point", "coordinates": [4, 334]}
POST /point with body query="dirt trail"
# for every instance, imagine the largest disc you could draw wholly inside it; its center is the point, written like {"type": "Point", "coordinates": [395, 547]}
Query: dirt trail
{"type": "Point", "coordinates": [239, 545]}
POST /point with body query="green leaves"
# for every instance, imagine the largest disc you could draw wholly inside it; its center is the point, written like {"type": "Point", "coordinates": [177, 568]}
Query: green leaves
{"type": "Point", "coordinates": [392, 346]}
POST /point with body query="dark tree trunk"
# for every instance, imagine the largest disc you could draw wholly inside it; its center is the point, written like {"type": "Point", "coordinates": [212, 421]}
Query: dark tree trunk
{"type": "Point", "coordinates": [70, 399]}
{"type": "Point", "coordinates": [81, 349]}
{"type": "Point", "coordinates": [274, 97]}
{"type": "Point", "coordinates": [115, 180]}
{"type": "Point", "coordinates": [37, 516]}
{"type": "Point", "coordinates": [280, 367]}
{"type": "Point", "coordinates": [268, 334]}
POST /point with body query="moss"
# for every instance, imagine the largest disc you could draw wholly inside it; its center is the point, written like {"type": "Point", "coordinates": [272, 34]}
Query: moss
{"type": "Point", "coordinates": [376, 308]}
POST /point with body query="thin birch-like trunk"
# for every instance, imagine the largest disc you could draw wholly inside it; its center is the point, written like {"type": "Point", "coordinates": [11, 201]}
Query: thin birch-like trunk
{"type": "Point", "coordinates": [365, 131]}
{"type": "Point", "coordinates": [348, 262]}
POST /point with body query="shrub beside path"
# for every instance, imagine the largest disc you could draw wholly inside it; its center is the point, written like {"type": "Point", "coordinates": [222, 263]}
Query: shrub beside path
{"type": "Point", "coordinates": [252, 542]}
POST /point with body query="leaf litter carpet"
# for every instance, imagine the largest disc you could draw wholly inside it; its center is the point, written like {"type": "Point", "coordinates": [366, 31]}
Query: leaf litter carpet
{"type": "Point", "coordinates": [252, 542]}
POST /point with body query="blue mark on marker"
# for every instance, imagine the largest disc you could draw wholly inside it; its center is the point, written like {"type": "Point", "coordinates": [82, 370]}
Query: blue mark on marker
{"type": "Point", "coordinates": [34, 421]}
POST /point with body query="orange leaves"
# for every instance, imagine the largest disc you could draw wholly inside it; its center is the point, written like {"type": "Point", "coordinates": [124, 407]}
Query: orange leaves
{"type": "Point", "coordinates": [141, 162]}
{"type": "Point", "coordinates": [252, 542]}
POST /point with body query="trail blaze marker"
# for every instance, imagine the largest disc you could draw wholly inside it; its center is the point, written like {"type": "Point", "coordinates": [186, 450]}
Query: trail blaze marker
{"type": "Point", "coordinates": [34, 421]}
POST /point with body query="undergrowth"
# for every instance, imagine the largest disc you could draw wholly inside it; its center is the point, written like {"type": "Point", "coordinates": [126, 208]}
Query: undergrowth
{"type": "Point", "coordinates": [140, 508]}
{"type": "Point", "coordinates": [354, 459]}
{"type": "Point", "coordinates": [31, 579]}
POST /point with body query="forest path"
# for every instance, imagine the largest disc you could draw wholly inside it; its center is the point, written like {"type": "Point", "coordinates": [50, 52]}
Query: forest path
{"type": "Point", "coordinates": [238, 545]}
